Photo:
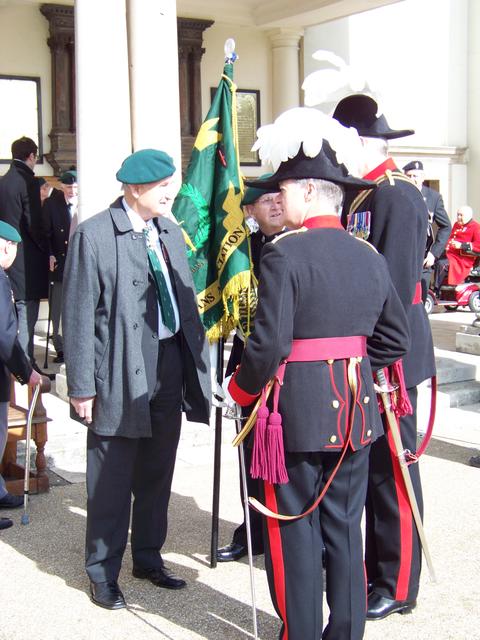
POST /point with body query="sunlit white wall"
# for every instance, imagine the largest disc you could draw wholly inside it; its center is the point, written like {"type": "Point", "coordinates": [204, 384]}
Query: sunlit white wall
{"type": "Point", "coordinates": [24, 52]}
{"type": "Point", "coordinates": [415, 53]}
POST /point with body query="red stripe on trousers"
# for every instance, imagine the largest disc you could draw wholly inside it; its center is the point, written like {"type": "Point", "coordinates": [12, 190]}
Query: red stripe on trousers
{"type": "Point", "coordinates": [405, 516]}
{"type": "Point", "coordinates": [276, 555]}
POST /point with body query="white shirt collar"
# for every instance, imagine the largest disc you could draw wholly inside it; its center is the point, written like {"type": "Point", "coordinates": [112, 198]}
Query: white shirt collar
{"type": "Point", "coordinates": [138, 223]}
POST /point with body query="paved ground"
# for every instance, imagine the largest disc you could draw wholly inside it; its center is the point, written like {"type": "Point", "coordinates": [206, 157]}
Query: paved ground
{"type": "Point", "coordinates": [43, 583]}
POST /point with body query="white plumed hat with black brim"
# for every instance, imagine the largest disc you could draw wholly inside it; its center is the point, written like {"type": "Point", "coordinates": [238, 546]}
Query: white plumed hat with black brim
{"type": "Point", "coordinates": [306, 143]}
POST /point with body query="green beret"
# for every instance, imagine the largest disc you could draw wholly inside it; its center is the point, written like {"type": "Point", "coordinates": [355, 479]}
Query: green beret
{"type": "Point", "coordinates": [252, 194]}
{"type": "Point", "coordinates": [147, 165]}
{"type": "Point", "coordinates": [68, 177]}
{"type": "Point", "coordinates": [7, 232]}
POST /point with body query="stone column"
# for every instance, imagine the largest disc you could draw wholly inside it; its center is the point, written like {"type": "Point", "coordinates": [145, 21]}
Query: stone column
{"type": "Point", "coordinates": [285, 71]}
{"type": "Point", "coordinates": [61, 42]}
{"type": "Point", "coordinates": [103, 101]}
{"type": "Point", "coordinates": [473, 107]}
{"type": "Point", "coordinates": [154, 81]}
{"type": "Point", "coordinates": [183, 57]}
{"type": "Point", "coordinates": [190, 46]}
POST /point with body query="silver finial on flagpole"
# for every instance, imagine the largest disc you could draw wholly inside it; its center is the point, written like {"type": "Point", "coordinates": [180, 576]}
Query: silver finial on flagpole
{"type": "Point", "coordinates": [229, 48]}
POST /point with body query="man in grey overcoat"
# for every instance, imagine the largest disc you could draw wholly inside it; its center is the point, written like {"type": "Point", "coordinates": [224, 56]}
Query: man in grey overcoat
{"type": "Point", "coordinates": [136, 356]}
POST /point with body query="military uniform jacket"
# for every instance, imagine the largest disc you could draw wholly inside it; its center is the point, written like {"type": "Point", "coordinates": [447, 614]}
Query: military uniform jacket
{"type": "Point", "coordinates": [56, 222]}
{"type": "Point", "coordinates": [20, 206]}
{"type": "Point", "coordinates": [317, 284]}
{"type": "Point", "coordinates": [438, 216]}
{"type": "Point", "coordinates": [398, 230]}
{"type": "Point", "coordinates": [12, 357]}
{"type": "Point", "coordinates": [110, 341]}
{"type": "Point", "coordinates": [257, 241]}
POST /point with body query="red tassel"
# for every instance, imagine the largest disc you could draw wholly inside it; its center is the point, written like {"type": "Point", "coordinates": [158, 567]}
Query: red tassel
{"type": "Point", "coordinates": [258, 464]}
{"type": "Point", "coordinates": [276, 472]}
{"type": "Point", "coordinates": [403, 406]}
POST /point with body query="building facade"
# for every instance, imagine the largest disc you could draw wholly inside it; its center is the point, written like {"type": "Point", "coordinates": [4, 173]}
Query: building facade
{"type": "Point", "coordinates": [119, 75]}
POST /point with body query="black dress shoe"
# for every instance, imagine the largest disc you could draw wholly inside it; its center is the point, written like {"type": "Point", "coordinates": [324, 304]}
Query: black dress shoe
{"type": "Point", "coordinates": [231, 552]}
{"type": "Point", "coordinates": [107, 595]}
{"type": "Point", "coordinates": [380, 607]}
{"type": "Point", "coordinates": [59, 358]}
{"type": "Point", "coordinates": [5, 523]}
{"type": "Point", "coordinates": [11, 502]}
{"type": "Point", "coordinates": [160, 577]}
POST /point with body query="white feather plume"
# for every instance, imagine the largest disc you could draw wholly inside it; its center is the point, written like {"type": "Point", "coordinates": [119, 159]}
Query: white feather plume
{"type": "Point", "coordinates": [328, 86]}
{"type": "Point", "coordinates": [278, 142]}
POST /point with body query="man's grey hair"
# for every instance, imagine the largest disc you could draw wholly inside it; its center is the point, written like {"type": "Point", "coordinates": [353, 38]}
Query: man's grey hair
{"type": "Point", "coordinates": [327, 190]}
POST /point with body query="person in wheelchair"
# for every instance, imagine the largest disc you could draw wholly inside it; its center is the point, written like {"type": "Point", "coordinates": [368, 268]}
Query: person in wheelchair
{"type": "Point", "coordinates": [463, 246]}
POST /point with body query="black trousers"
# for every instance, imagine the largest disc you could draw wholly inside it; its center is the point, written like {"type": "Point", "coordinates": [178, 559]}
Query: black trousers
{"type": "Point", "coordinates": [118, 467]}
{"type": "Point", "coordinates": [27, 314]}
{"type": "Point", "coordinates": [293, 550]}
{"type": "Point", "coordinates": [393, 553]}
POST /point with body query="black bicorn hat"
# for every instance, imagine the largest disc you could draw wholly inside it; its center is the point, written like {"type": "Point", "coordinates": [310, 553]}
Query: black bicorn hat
{"type": "Point", "coordinates": [360, 112]}
{"type": "Point", "coordinates": [415, 165]}
{"type": "Point", "coordinates": [323, 166]}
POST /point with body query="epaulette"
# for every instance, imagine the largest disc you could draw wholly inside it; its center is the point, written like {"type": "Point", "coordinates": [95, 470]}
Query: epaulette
{"type": "Point", "coordinates": [288, 233]}
{"type": "Point", "coordinates": [389, 175]}
{"type": "Point", "coordinates": [392, 176]}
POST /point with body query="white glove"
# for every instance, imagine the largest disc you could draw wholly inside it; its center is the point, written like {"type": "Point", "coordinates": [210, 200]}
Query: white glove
{"type": "Point", "coordinates": [233, 410]}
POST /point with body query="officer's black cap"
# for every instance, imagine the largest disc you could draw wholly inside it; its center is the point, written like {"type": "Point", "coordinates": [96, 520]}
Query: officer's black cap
{"type": "Point", "coordinates": [415, 165]}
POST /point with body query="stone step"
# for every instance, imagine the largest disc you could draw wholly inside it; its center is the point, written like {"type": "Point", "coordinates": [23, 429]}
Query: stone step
{"type": "Point", "coordinates": [458, 394]}
{"type": "Point", "coordinates": [452, 370]}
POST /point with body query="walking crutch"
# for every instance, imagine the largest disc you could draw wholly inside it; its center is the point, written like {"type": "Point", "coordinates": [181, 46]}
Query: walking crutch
{"type": "Point", "coordinates": [43, 386]}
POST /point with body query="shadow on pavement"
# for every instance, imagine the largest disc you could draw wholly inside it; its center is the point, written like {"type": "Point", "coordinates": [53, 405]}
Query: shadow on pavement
{"type": "Point", "coordinates": [54, 540]}
{"type": "Point", "coordinates": [450, 451]}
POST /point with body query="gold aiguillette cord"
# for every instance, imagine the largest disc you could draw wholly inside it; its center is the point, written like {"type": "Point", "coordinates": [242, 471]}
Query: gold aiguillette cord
{"type": "Point", "coordinates": [253, 416]}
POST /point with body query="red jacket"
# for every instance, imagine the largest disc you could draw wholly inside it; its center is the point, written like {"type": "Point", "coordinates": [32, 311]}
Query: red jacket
{"type": "Point", "coordinates": [460, 262]}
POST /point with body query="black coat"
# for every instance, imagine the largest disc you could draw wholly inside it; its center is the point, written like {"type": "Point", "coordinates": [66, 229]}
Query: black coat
{"type": "Point", "coordinates": [12, 357]}
{"type": "Point", "coordinates": [20, 206]}
{"type": "Point", "coordinates": [438, 216]}
{"type": "Point", "coordinates": [257, 241]}
{"type": "Point", "coordinates": [316, 284]}
{"type": "Point", "coordinates": [399, 220]}
{"type": "Point", "coordinates": [56, 222]}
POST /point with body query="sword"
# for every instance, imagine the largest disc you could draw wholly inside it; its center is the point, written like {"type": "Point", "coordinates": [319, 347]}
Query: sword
{"type": "Point", "coordinates": [400, 451]}
{"type": "Point", "coordinates": [243, 473]}
{"type": "Point", "coordinates": [248, 426]}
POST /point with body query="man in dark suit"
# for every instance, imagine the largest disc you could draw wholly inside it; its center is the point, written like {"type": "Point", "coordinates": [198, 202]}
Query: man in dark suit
{"type": "Point", "coordinates": [58, 211]}
{"type": "Point", "coordinates": [12, 357]}
{"type": "Point", "coordinates": [436, 215]}
{"type": "Point", "coordinates": [135, 354]}
{"type": "Point", "coordinates": [20, 206]}
{"type": "Point", "coordinates": [264, 208]}
{"type": "Point", "coordinates": [394, 218]}
{"type": "Point", "coordinates": [326, 301]}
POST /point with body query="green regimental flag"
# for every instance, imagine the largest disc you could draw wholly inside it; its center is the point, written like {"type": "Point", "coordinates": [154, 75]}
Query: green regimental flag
{"type": "Point", "coordinates": [208, 210]}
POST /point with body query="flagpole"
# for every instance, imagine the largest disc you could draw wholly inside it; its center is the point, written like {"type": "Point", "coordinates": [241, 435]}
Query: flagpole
{"type": "Point", "coordinates": [217, 463]}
